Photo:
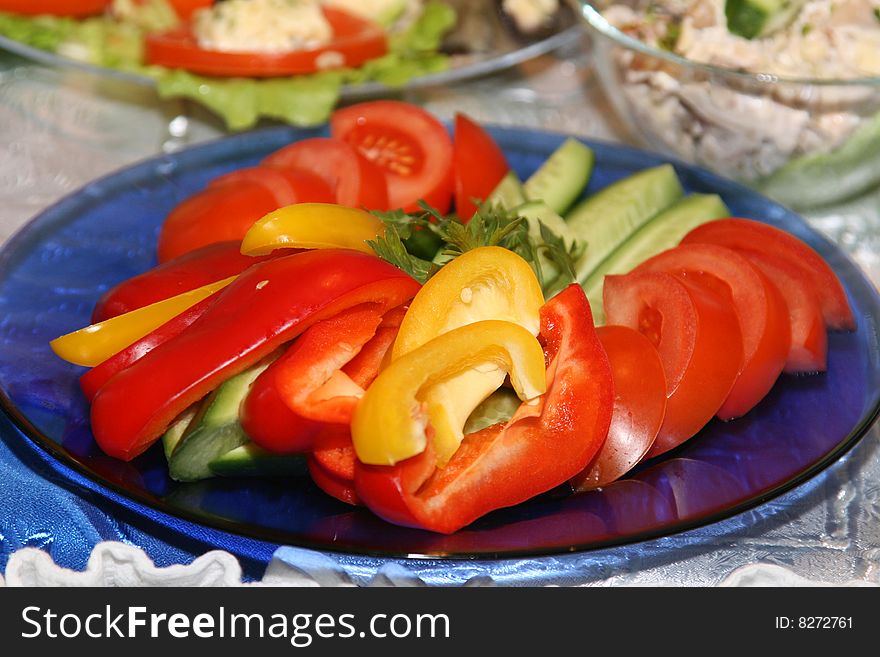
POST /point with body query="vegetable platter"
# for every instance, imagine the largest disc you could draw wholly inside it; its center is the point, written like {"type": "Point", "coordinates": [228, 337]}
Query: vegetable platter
{"type": "Point", "coordinates": [545, 491]}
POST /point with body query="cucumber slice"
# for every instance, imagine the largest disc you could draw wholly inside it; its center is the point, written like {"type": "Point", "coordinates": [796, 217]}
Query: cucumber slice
{"type": "Point", "coordinates": [174, 433]}
{"type": "Point", "coordinates": [821, 179]}
{"type": "Point", "coordinates": [497, 407]}
{"type": "Point", "coordinates": [609, 217]}
{"type": "Point", "coordinates": [663, 232]}
{"type": "Point", "coordinates": [563, 176]}
{"type": "Point", "coordinates": [759, 18]}
{"type": "Point", "coordinates": [508, 193]}
{"type": "Point", "coordinates": [250, 460]}
{"type": "Point", "coordinates": [215, 430]}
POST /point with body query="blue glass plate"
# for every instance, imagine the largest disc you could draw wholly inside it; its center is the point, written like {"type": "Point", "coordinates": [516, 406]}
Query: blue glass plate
{"type": "Point", "coordinates": [54, 270]}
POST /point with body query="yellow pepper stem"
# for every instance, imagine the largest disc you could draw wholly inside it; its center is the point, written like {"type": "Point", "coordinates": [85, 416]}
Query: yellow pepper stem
{"type": "Point", "coordinates": [94, 344]}
{"type": "Point", "coordinates": [312, 226]}
{"type": "Point", "coordinates": [391, 421]}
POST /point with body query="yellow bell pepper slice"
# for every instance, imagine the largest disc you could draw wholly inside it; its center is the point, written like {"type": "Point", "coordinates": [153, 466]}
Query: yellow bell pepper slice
{"type": "Point", "coordinates": [390, 423]}
{"type": "Point", "coordinates": [312, 226]}
{"type": "Point", "coordinates": [94, 344]}
{"type": "Point", "coordinates": [486, 283]}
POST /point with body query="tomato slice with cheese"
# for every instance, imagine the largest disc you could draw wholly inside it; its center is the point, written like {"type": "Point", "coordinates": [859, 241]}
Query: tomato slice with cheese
{"type": "Point", "coordinates": [755, 237]}
{"type": "Point", "coordinates": [410, 145]}
{"type": "Point", "coordinates": [355, 41]}
{"type": "Point", "coordinates": [697, 335]}
{"type": "Point", "coordinates": [355, 181]}
{"type": "Point", "coordinates": [478, 165]}
{"type": "Point", "coordinates": [74, 8]}
{"type": "Point", "coordinates": [639, 406]}
{"type": "Point", "coordinates": [760, 310]}
{"type": "Point", "coordinates": [230, 205]}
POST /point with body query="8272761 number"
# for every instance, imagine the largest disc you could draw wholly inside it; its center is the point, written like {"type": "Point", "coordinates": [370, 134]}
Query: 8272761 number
{"type": "Point", "coordinates": [814, 622]}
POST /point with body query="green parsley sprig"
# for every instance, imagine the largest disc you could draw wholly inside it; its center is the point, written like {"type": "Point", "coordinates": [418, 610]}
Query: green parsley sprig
{"type": "Point", "coordinates": [492, 225]}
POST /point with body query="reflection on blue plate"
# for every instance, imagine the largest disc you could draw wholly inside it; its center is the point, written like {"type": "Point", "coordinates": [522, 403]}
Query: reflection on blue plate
{"type": "Point", "coordinates": [52, 273]}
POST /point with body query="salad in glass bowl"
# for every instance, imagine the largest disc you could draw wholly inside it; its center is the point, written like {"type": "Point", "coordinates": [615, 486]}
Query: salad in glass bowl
{"type": "Point", "coordinates": [782, 95]}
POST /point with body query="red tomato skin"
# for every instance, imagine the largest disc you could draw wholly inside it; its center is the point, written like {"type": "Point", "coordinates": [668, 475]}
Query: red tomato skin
{"type": "Point", "coordinates": [755, 237]}
{"type": "Point", "coordinates": [698, 339]}
{"type": "Point", "coordinates": [353, 180]}
{"type": "Point", "coordinates": [225, 211]}
{"type": "Point", "coordinates": [639, 406]}
{"type": "Point", "coordinates": [73, 8]}
{"type": "Point", "coordinates": [478, 165]}
{"type": "Point", "coordinates": [412, 147]}
{"type": "Point", "coordinates": [356, 40]}
{"type": "Point", "coordinates": [761, 313]}
{"type": "Point", "coordinates": [808, 352]}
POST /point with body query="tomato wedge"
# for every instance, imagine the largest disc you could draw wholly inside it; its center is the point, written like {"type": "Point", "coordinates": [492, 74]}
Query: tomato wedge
{"type": "Point", "coordinates": [754, 237]}
{"type": "Point", "coordinates": [74, 8]}
{"type": "Point", "coordinates": [355, 41]}
{"type": "Point", "coordinates": [230, 205]}
{"type": "Point", "coordinates": [809, 338]}
{"type": "Point", "coordinates": [410, 145]}
{"type": "Point", "coordinates": [478, 165]}
{"type": "Point", "coordinates": [354, 181]}
{"type": "Point", "coordinates": [760, 311]}
{"type": "Point", "coordinates": [697, 335]}
{"type": "Point", "coordinates": [639, 406]}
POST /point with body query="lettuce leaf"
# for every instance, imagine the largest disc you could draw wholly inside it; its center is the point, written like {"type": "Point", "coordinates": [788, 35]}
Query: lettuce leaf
{"type": "Point", "coordinates": [241, 102]}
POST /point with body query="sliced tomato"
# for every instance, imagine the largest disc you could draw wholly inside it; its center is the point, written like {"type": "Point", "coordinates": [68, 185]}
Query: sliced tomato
{"type": "Point", "coordinates": [809, 338]}
{"type": "Point", "coordinates": [230, 205]}
{"type": "Point", "coordinates": [186, 8]}
{"type": "Point", "coordinates": [478, 165]}
{"type": "Point", "coordinates": [639, 406]}
{"type": "Point", "coordinates": [755, 237]}
{"type": "Point", "coordinates": [75, 8]}
{"type": "Point", "coordinates": [355, 41]}
{"type": "Point", "coordinates": [760, 311]}
{"type": "Point", "coordinates": [410, 145]}
{"type": "Point", "coordinates": [697, 336]}
{"type": "Point", "coordinates": [354, 181]}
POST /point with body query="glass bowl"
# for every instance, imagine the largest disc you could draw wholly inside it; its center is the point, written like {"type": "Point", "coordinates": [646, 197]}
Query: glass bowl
{"type": "Point", "coordinates": [805, 142]}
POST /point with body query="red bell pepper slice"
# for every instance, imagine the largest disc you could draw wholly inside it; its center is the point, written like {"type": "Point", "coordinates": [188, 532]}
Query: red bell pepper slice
{"type": "Point", "coordinates": [541, 447]}
{"type": "Point", "coordinates": [268, 421]}
{"type": "Point", "coordinates": [187, 272]}
{"type": "Point", "coordinates": [290, 425]}
{"type": "Point", "coordinates": [332, 463]}
{"type": "Point", "coordinates": [95, 378]}
{"type": "Point", "coordinates": [268, 305]}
